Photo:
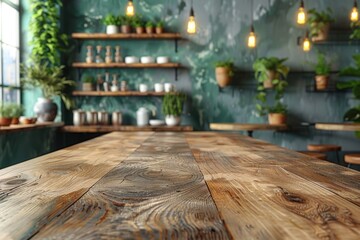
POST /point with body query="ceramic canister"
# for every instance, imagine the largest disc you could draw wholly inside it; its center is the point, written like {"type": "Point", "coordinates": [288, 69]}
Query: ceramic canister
{"type": "Point", "coordinates": [158, 87]}
{"type": "Point", "coordinates": [142, 87]}
{"type": "Point", "coordinates": [168, 87]}
{"type": "Point", "coordinates": [142, 117]}
{"type": "Point", "coordinates": [91, 118]}
{"type": "Point", "coordinates": [103, 118]}
{"type": "Point", "coordinates": [116, 118]}
{"type": "Point", "coordinates": [79, 117]}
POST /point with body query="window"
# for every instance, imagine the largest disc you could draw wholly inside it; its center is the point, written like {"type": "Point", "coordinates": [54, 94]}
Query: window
{"type": "Point", "coordinates": [9, 51]}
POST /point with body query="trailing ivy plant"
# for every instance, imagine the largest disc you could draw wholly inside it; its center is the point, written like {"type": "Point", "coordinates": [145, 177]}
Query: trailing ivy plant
{"type": "Point", "coordinates": [173, 104]}
{"type": "Point", "coordinates": [355, 26]}
{"type": "Point", "coordinates": [353, 114]}
{"type": "Point", "coordinates": [317, 20]}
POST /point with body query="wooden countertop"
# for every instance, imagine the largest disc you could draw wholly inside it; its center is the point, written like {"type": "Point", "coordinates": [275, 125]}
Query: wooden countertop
{"type": "Point", "coordinates": [124, 128]}
{"type": "Point", "coordinates": [246, 126]}
{"type": "Point", "coordinates": [22, 127]}
{"type": "Point", "coordinates": [201, 185]}
{"type": "Point", "coordinates": [338, 126]}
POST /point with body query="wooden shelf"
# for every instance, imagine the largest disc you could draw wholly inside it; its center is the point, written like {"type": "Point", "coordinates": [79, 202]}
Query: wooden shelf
{"type": "Point", "coordinates": [125, 65]}
{"type": "Point", "coordinates": [104, 36]}
{"type": "Point", "coordinates": [119, 93]}
{"type": "Point", "coordinates": [125, 128]}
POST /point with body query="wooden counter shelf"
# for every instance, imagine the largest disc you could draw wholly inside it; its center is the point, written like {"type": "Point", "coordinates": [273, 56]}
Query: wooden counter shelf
{"type": "Point", "coordinates": [23, 127]}
{"type": "Point", "coordinates": [338, 126]}
{"type": "Point", "coordinates": [134, 36]}
{"type": "Point", "coordinates": [248, 127]}
{"type": "Point", "coordinates": [125, 65]}
{"type": "Point", "coordinates": [199, 185]}
{"type": "Point", "coordinates": [124, 128]}
{"type": "Point", "coordinates": [119, 93]}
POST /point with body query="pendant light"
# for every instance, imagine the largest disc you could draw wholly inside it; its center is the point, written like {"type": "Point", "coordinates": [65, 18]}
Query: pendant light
{"type": "Point", "coordinates": [252, 36]}
{"type": "Point", "coordinates": [306, 43]}
{"type": "Point", "coordinates": [191, 25]}
{"type": "Point", "coordinates": [301, 14]}
{"type": "Point", "coordinates": [130, 11]}
{"type": "Point", "coordinates": [354, 15]}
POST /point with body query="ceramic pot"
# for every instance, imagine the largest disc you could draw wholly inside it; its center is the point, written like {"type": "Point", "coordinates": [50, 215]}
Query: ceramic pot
{"type": "Point", "coordinates": [79, 118]}
{"type": "Point", "coordinates": [168, 87]}
{"type": "Point", "coordinates": [277, 118]}
{"type": "Point", "coordinates": [15, 121]}
{"type": "Point", "coordinates": [321, 82]}
{"type": "Point", "coordinates": [149, 30]}
{"type": "Point", "coordinates": [140, 30]}
{"type": "Point", "coordinates": [271, 76]}
{"type": "Point", "coordinates": [159, 30]}
{"type": "Point", "coordinates": [45, 109]}
{"type": "Point", "coordinates": [87, 87]}
{"type": "Point", "coordinates": [172, 120]}
{"type": "Point", "coordinates": [5, 121]}
{"type": "Point", "coordinates": [223, 76]}
{"type": "Point", "coordinates": [159, 87]}
{"type": "Point", "coordinates": [112, 29]}
{"type": "Point", "coordinates": [142, 117]}
{"type": "Point", "coordinates": [125, 29]}
{"type": "Point", "coordinates": [142, 87]}
{"type": "Point", "coordinates": [91, 118]}
{"type": "Point", "coordinates": [322, 34]}
{"type": "Point", "coordinates": [131, 59]}
{"type": "Point", "coordinates": [116, 118]}
{"type": "Point", "coordinates": [147, 59]}
{"type": "Point", "coordinates": [103, 118]}
{"type": "Point", "coordinates": [162, 60]}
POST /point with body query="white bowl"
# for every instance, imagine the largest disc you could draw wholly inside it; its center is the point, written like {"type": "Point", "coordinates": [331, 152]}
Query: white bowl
{"type": "Point", "coordinates": [131, 59]}
{"type": "Point", "coordinates": [156, 122]}
{"type": "Point", "coordinates": [159, 87]}
{"type": "Point", "coordinates": [147, 59]}
{"type": "Point", "coordinates": [162, 60]}
{"type": "Point", "coordinates": [143, 87]}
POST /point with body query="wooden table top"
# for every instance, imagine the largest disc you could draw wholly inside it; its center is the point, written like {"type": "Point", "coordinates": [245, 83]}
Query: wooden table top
{"type": "Point", "coordinates": [195, 185]}
{"type": "Point", "coordinates": [246, 126]}
{"type": "Point", "coordinates": [338, 126]}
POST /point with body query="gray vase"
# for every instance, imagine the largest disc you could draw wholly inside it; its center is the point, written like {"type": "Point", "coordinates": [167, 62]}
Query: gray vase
{"type": "Point", "coordinates": [45, 109]}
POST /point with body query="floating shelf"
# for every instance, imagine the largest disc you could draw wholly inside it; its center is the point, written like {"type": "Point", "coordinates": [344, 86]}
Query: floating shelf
{"type": "Point", "coordinates": [124, 128]}
{"type": "Point", "coordinates": [331, 88]}
{"type": "Point", "coordinates": [124, 94]}
{"type": "Point", "coordinates": [104, 36]}
{"type": "Point", "coordinates": [126, 65]}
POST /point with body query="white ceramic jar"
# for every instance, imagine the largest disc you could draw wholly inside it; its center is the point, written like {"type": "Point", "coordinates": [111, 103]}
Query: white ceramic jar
{"type": "Point", "coordinates": [78, 117]}
{"type": "Point", "coordinates": [143, 87]}
{"type": "Point", "coordinates": [158, 87]}
{"type": "Point", "coordinates": [91, 118]}
{"type": "Point", "coordinates": [112, 29]}
{"type": "Point", "coordinates": [172, 120]}
{"type": "Point", "coordinates": [131, 59]}
{"type": "Point", "coordinates": [147, 59]}
{"type": "Point", "coordinates": [162, 60]}
{"type": "Point", "coordinates": [116, 118]}
{"type": "Point", "coordinates": [142, 117]}
{"type": "Point", "coordinates": [103, 118]}
{"type": "Point", "coordinates": [169, 87]}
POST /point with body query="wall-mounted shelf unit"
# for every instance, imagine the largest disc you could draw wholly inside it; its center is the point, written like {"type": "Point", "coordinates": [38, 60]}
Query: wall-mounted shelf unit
{"type": "Point", "coordinates": [118, 36]}
{"type": "Point", "coordinates": [125, 65]}
{"type": "Point", "coordinates": [120, 94]}
{"type": "Point", "coordinates": [330, 89]}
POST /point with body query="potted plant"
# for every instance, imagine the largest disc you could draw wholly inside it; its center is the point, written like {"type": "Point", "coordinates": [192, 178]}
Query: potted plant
{"type": "Point", "coordinates": [172, 108]}
{"type": "Point", "coordinates": [322, 71]}
{"type": "Point", "coordinates": [270, 70]}
{"type": "Point", "coordinates": [224, 71]}
{"type": "Point", "coordinates": [112, 24]}
{"type": "Point", "coordinates": [277, 114]}
{"type": "Point", "coordinates": [149, 27]}
{"type": "Point", "coordinates": [5, 114]}
{"type": "Point", "coordinates": [138, 24]}
{"type": "Point", "coordinates": [88, 83]}
{"type": "Point", "coordinates": [126, 23]}
{"type": "Point", "coordinates": [319, 23]}
{"type": "Point", "coordinates": [16, 112]}
{"type": "Point", "coordinates": [159, 27]}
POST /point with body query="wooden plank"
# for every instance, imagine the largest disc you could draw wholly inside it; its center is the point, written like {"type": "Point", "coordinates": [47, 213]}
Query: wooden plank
{"type": "Point", "coordinates": [156, 193]}
{"type": "Point", "coordinates": [125, 65]}
{"type": "Point", "coordinates": [261, 193]}
{"type": "Point", "coordinates": [34, 192]}
{"type": "Point", "coordinates": [22, 127]}
{"type": "Point", "coordinates": [104, 36]}
{"type": "Point", "coordinates": [338, 126]}
{"type": "Point", "coordinates": [124, 128]}
{"type": "Point", "coordinates": [246, 126]}
{"type": "Point", "coordinates": [119, 93]}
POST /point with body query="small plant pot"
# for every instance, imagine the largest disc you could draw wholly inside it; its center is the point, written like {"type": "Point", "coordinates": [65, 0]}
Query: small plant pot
{"type": "Point", "coordinates": [322, 34]}
{"type": "Point", "coordinates": [159, 30]}
{"type": "Point", "coordinates": [172, 120]}
{"type": "Point", "coordinates": [149, 30]}
{"type": "Point", "coordinates": [277, 118]}
{"type": "Point", "coordinates": [268, 82]}
{"type": "Point", "coordinates": [112, 29]}
{"type": "Point", "coordinates": [15, 121]}
{"type": "Point", "coordinates": [223, 76]}
{"type": "Point", "coordinates": [140, 30]}
{"type": "Point", "coordinates": [321, 82]}
{"type": "Point", "coordinates": [4, 122]}
{"type": "Point", "coordinates": [125, 29]}
{"type": "Point", "coordinates": [87, 86]}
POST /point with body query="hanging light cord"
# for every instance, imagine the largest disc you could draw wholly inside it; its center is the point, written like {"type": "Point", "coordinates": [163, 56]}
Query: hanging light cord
{"type": "Point", "coordinates": [252, 13]}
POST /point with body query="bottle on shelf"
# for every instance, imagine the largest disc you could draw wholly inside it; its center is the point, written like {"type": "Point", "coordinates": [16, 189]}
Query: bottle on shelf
{"type": "Point", "coordinates": [106, 82]}
{"type": "Point", "coordinates": [118, 58]}
{"type": "Point", "coordinates": [114, 87]}
{"type": "Point", "coordinates": [123, 86]}
{"type": "Point", "coordinates": [99, 82]}
{"type": "Point", "coordinates": [98, 55]}
{"type": "Point", "coordinates": [108, 57]}
{"type": "Point", "coordinates": [89, 55]}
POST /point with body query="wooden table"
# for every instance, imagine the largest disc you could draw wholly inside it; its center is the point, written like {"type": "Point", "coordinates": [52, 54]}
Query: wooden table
{"type": "Point", "coordinates": [338, 126]}
{"type": "Point", "coordinates": [248, 127]}
{"type": "Point", "coordinates": [178, 186]}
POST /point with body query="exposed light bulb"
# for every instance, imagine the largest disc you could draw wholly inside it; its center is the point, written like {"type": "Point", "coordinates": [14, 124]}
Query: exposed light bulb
{"type": "Point", "coordinates": [191, 26]}
{"type": "Point", "coordinates": [306, 43]}
{"type": "Point", "coordinates": [252, 38]}
{"type": "Point", "coordinates": [354, 15]}
{"type": "Point", "coordinates": [301, 14]}
{"type": "Point", "coordinates": [130, 11]}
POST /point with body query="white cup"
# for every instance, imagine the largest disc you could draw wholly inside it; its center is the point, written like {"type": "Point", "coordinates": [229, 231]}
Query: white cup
{"type": "Point", "coordinates": [168, 87]}
{"type": "Point", "coordinates": [158, 87]}
{"type": "Point", "coordinates": [142, 87]}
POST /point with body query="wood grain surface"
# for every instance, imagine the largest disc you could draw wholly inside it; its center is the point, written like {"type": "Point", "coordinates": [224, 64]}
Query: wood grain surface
{"type": "Point", "coordinates": [124, 128]}
{"type": "Point", "coordinates": [158, 192]}
{"type": "Point", "coordinates": [34, 192]}
{"type": "Point", "coordinates": [338, 126]}
{"type": "Point", "coordinates": [125, 65]}
{"type": "Point", "coordinates": [104, 36]}
{"type": "Point", "coordinates": [246, 126]}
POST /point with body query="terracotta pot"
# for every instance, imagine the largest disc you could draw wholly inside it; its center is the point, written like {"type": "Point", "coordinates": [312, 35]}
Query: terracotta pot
{"type": "Point", "coordinates": [159, 30]}
{"type": "Point", "coordinates": [277, 118]}
{"type": "Point", "coordinates": [140, 30]}
{"type": "Point", "coordinates": [149, 30]}
{"type": "Point", "coordinates": [15, 121]}
{"type": "Point", "coordinates": [87, 86]}
{"type": "Point", "coordinates": [222, 76]}
{"type": "Point", "coordinates": [322, 34]}
{"type": "Point", "coordinates": [125, 29]}
{"type": "Point", "coordinates": [322, 82]}
{"type": "Point", "coordinates": [271, 76]}
{"type": "Point", "coordinates": [5, 121]}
